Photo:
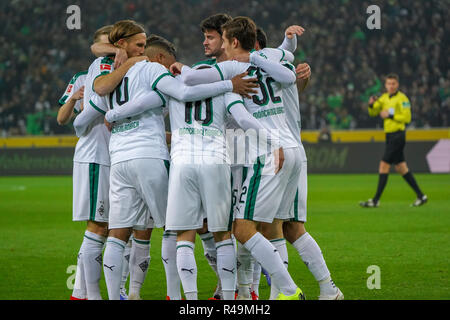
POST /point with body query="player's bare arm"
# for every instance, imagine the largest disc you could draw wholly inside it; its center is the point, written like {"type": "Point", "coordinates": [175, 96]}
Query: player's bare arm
{"type": "Point", "coordinates": [65, 112]}
{"type": "Point", "coordinates": [108, 49]}
{"type": "Point", "coordinates": [107, 83]}
{"type": "Point", "coordinates": [303, 71]}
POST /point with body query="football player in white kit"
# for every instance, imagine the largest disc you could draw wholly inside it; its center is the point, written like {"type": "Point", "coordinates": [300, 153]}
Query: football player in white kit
{"type": "Point", "coordinates": [96, 140]}
{"type": "Point", "coordinates": [90, 186]}
{"type": "Point", "coordinates": [262, 202]}
{"type": "Point", "coordinates": [294, 219]}
{"type": "Point", "coordinates": [134, 187]}
{"type": "Point", "coordinates": [198, 154]}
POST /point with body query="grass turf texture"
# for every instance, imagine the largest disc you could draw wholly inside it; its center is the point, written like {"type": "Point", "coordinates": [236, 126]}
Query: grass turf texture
{"type": "Point", "coordinates": [39, 242]}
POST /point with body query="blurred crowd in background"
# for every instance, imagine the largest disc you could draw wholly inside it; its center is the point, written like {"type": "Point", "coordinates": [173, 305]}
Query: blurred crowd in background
{"type": "Point", "coordinates": [40, 55]}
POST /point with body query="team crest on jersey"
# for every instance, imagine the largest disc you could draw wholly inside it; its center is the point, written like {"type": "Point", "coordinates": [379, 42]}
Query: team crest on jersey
{"type": "Point", "coordinates": [69, 88]}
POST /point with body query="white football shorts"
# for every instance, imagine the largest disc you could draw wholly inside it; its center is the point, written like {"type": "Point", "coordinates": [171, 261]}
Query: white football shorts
{"type": "Point", "coordinates": [195, 189]}
{"type": "Point", "coordinates": [138, 193]}
{"type": "Point", "coordinates": [90, 192]}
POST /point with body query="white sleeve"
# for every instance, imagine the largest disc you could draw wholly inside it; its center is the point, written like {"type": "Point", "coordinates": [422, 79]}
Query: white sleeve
{"type": "Point", "coordinates": [277, 71]}
{"type": "Point", "coordinates": [178, 90]}
{"type": "Point", "coordinates": [192, 77]}
{"type": "Point", "coordinates": [289, 44]}
{"type": "Point", "coordinates": [95, 109]}
{"type": "Point", "coordinates": [134, 107]}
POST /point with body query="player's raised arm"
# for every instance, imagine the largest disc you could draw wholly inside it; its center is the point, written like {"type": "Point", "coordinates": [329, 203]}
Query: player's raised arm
{"type": "Point", "coordinates": [96, 108]}
{"type": "Point", "coordinates": [290, 38]}
{"type": "Point", "coordinates": [108, 49]}
{"type": "Point", "coordinates": [134, 107]}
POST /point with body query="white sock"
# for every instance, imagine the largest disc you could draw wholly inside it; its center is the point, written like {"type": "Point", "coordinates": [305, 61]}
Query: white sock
{"type": "Point", "coordinates": [226, 267]}
{"type": "Point", "coordinates": [256, 277]}
{"type": "Point", "coordinates": [79, 289]}
{"type": "Point", "coordinates": [112, 266]}
{"type": "Point", "coordinates": [139, 263]}
{"type": "Point", "coordinates": [187, 268]}
{"type": "Point", "coordinates": [126, 264]}
{"type": "Point", "coordinates": [92, 263]}
{"type": "Point", "coordinates": [245, 271]}
{"type": "Point", "coordinates": [266, 254]}
{"type": "Point", "coordinates": [310, 253]}
{"type": "Point", "coordinates": [280, 245]}
{"type": "Point", "coordinates": [210, 253]}
{"type": "Point", "coordinates": [169, 258]}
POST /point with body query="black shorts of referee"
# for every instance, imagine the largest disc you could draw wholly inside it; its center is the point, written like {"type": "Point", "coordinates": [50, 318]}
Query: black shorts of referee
{"type": "Point", "coordinates": [395, 144]}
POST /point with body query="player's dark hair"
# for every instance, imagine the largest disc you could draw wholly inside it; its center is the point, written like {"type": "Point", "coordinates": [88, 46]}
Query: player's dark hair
{"type": "Point", "coordinates": [125, 29]}
{"type": "Point", "coordinates": [261, 37]}
{"type": "Point", "coordinates": [393, 76]}
{"type": "Point", "coordinates": [103, 30]}
{"type": "Point", "coordinates": [243, 29]}
{"type": "Point", "coordinates": [215, 22]}
{"type": "Point", "coordinates": [157, 41]}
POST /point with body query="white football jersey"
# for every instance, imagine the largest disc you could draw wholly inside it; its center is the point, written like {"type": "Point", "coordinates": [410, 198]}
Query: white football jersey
{"type": "Point", "coordinates": [92, 146]}
{"type": "Point", "coordinates": [267, 105]}
{"type": "Point", "coordinates": [77, 81]}
{"type": "Point", "coordinates": [198, 131]}
{"type": "Point", "coordinates": [290, 95]}
{"type": "Point", "coordinates": [141, 136]}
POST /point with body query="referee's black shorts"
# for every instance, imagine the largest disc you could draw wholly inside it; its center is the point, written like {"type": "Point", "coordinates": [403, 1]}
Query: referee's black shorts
{"type": "Point", "coordinates": [395, 143]}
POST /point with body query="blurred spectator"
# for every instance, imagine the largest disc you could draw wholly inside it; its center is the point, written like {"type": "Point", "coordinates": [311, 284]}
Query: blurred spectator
{"type": "Point", "coordinates": [39, 54]}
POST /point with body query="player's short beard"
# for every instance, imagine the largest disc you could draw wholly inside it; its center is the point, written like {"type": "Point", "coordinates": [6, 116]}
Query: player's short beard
{"type": "Point", "coordinates": [216, 53]}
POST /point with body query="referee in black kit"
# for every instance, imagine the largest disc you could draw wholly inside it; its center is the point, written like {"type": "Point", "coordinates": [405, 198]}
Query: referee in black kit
{"type": "Point", "coordinates": [394, 107]}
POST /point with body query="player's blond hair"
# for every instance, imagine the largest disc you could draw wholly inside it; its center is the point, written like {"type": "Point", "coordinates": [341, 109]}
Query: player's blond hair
{"type": "Point", "coordinates": [125, 29]}
{"type": "Point", "coordinates": [103, 30]}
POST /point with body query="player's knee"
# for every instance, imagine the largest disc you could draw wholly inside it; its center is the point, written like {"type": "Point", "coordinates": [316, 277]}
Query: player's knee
{"type": "Point", "coordinates": [292, 230]}
{"type": "Point", "coordinates": [221, 236]}
{"type": "Point", "coordinates": [100, 228]}
{"type": "Point", "coordinates": [143, 234]}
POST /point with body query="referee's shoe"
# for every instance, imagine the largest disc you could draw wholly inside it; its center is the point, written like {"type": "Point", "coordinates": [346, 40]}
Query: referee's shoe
{"type": "Point", "coordinates": [420, 201]}
{"type": "Point", "coordinates": [370, 203]}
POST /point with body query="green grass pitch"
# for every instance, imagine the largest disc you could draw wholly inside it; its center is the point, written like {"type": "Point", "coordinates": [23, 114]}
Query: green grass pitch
{"type": "Point", "coordinates": [39, 242]}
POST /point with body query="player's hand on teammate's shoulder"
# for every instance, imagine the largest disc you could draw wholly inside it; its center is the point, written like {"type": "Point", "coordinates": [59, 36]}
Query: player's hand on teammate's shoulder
{"type": "Point", "coordinates": [134, 60]}
{"type": "Point", "coordinates": [303, 71]}
{"type": "Point", "coordinates": [244, 86]}
{"type": "Point", "coordinates": [120, 57]}
{"type": "Point", "coordinates": [294, 30]}
{"type": "Point", "coordinates": [176, 67]}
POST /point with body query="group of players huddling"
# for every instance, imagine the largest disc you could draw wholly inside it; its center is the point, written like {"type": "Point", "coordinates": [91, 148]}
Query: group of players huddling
{"type": "Point", "coordinates": [125, 182]}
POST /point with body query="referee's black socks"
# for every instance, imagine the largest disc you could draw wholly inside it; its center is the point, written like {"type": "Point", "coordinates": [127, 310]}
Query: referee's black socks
{"type": "Point", "coordinates": [382, 180]}
{"type": "Point", "coordinates": [412, 182]}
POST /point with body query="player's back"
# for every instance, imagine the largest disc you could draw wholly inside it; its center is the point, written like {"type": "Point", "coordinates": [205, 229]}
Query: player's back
{"type": "Point", "coordinates": [267, 105]}
{"type": "Point", "coordinates": [92, 146]}
{"type": "Point", "coordinates": [290, 95]}
{"type": "Point", "coordinates": [141, 136]}
{"type": "Point", "coordinates": [198, 130]}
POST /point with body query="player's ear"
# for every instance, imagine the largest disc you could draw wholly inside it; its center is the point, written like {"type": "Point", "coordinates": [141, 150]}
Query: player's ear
{"type": "Point", "coordinates": [235, 43]}
{"type": "Point", "coordinates": [121, 43]}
